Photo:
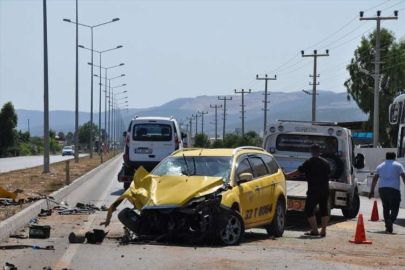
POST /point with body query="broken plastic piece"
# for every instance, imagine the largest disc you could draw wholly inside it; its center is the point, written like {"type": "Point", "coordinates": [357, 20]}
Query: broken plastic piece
{"type": "Point", "coordinates": [6, 194]}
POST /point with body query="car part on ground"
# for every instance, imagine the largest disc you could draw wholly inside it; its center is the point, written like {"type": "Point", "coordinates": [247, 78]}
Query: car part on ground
{"type": "Point", "coordinates": [9, 247]}
{"type": "Point", "coordinates": [40, 231]}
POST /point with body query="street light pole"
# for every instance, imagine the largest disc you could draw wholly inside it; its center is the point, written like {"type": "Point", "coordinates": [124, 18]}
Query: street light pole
{"type": "Point", "coordinates": [101, 67]}
{"type": "Point", "coordinates": [46, 92]}
{"type": "Point", "coordinates": [91, 90]}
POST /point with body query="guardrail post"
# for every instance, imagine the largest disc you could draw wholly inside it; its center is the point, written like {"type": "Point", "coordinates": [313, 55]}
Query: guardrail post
{"type": "Point", "coordinates": [67, 173]}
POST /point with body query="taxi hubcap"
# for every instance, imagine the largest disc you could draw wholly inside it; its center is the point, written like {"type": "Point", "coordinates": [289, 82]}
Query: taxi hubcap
{"type": "Point", "coordinates": [232, 230]}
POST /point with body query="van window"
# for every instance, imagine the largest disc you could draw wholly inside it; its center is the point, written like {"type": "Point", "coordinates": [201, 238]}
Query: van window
{"type": "Point", "coordinates": [258, 166]}
{"type": "Point", "coordinates": [302, 143]}
{"type": "Point", "coordinates": [152, 132]}
{"type": "Point", "coordinates": [271, 163]}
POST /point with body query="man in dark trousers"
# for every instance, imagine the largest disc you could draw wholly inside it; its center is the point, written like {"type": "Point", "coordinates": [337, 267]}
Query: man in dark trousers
{"type": "Point", "coordinates": [387, 174]}
{"type": "Point", "coordinates": [316, 170]}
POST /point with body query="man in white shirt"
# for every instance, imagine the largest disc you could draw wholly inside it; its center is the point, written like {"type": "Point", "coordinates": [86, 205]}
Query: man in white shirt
{"type": "Point", "coordinates": [388, 174]}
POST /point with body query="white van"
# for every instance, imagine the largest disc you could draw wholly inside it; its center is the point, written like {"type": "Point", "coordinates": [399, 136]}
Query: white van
{"type": "Point", "coordinates": [148, 141]}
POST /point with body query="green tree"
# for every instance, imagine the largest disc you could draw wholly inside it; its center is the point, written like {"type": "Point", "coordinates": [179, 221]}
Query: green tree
{"type": "Point", "coordinates": [201, 140]}
{"type": "Point", "coordinates": [84, 133]}
{"type": "Point", "coordinates": [52, 134]}
{"type": "Point", "coordinates": [360, 87]}
{"type": "Point", "coordinates": [61, 135]}
{"type": "Point", "coordinates": [70, 136]}
{"type": "Point", "coordinates": [8, 121]}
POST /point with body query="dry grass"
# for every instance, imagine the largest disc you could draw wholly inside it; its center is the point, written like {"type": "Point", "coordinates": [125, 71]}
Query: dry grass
{"type": "Point", "coordinates": [33, 182]}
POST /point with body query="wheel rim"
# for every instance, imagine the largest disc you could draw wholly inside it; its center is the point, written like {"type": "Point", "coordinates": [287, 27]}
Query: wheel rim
{"type": "Point", "coordinates": [280, 218]}
{"type": "Point", "coordinates": [233, 229]}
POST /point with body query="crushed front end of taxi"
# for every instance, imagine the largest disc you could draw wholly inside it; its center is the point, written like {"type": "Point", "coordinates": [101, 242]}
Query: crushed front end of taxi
{"type": "Point", "coordinates": [173, 208]}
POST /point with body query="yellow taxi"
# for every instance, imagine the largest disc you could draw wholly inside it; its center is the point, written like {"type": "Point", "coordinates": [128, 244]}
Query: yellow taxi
{"type": "Point", "coordinates": [206, 195]}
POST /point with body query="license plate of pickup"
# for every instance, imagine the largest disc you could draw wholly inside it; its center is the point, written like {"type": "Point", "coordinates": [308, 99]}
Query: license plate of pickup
{"type": "Point", "coordinates": [143, 151]}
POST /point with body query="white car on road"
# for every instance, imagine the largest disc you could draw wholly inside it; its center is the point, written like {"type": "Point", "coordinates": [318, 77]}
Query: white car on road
{"type": "Point", "coordinates": [68, 151]}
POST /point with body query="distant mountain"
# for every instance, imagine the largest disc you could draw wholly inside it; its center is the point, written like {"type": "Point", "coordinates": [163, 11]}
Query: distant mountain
{"type": "Point", "coordinates": [292, 106]}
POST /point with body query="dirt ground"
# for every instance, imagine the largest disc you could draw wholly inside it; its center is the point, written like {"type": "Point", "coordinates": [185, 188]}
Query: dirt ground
{"type": "Point", "coordinates": [34, 182]}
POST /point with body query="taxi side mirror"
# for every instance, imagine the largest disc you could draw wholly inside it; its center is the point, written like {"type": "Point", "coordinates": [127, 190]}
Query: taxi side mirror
{"type": "Point", "coordinates": [359, 161]}
{"type": "Point", "coordinates": [244, 177]}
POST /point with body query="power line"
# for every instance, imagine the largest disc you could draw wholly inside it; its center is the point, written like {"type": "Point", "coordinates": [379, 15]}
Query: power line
{"type": "Point", "coordinates": [393, 5]}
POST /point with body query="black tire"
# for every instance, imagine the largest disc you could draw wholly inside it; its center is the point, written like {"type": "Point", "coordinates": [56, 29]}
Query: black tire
{"type": "Point", "coordinates": [128, 217]}
{"type": "Point", "coordinates": [126, 185]}
{"type": "Point", "coordinates": [277, 226]}
{"type": "Point", "coordinates": [233, 232]}
{"type": "Point", "coordinates": [353, 211]}
{"type": "Point", "coordinates": [335, 164]}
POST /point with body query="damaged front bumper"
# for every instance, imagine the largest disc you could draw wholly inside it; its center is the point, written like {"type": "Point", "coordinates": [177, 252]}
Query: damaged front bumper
{"type": "Point", "coordinates": [196, 223]}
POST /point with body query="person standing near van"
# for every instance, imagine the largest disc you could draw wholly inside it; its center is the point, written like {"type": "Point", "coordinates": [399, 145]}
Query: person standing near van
{"type": "Point", "coordinates": [316, 170]}
{"type": "Point", "coordinates": [388, 174]}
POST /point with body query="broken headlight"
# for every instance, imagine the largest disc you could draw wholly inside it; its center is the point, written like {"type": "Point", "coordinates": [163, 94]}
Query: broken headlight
{"type": "Point", "coordinates": [195, 201]}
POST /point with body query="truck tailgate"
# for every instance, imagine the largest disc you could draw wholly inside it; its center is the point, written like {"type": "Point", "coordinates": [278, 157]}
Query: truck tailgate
{"type": "Point", "coordinates": [297, 189]}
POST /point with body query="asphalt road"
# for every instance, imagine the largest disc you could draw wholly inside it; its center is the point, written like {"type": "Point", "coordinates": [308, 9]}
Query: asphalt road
{"type": "Point", "coordinates": [258, 251]}
{"type": "Point", "coordinates": [18, 163]}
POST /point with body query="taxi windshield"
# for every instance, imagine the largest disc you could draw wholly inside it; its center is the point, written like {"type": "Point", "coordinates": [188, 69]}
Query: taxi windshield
{"type": "Point", "coordinates": [195, 166]}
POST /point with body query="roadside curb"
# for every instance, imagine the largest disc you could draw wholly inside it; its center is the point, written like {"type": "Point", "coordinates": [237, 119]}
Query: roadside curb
{"type": "Point", "coordinates": [19, 220]}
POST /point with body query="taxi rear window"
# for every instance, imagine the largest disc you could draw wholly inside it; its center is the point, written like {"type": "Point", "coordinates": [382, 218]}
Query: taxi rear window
{"type": "Point", "coordinates": [302, 143]}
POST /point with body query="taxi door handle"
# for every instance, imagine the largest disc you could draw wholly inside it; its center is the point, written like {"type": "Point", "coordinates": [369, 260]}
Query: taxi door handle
{"type": "Point", "coordinates": [258, 188]}
{"type": "Point", "coordinates": [273, 184]}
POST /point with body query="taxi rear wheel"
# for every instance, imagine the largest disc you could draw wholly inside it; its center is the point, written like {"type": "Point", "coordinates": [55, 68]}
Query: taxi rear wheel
{"type": "Point", "coordinates": [232, 231]}
{"type": "Point", "coordinates": [276, 227]}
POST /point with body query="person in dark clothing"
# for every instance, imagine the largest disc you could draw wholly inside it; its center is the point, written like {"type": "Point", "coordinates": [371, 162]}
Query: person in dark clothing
{"type": "Point", "coordinates": [316, 170]}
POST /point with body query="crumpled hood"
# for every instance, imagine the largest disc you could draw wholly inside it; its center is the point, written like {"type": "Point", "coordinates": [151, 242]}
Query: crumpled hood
{"type": "Point", "coordinates": [178, 190]}
{"type": "Point", "coordinates": [154, 191]}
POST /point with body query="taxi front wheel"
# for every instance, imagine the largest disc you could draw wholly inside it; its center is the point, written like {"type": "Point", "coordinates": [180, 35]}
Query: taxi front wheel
{"type": "Point", "coordinates": [276, 227]}
{"type": "Point", "coordinates": [232, 230]}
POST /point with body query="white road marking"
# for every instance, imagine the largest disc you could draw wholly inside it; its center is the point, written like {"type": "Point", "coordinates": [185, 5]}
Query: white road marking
{"type": "Point", "coordinates": [72, 249]}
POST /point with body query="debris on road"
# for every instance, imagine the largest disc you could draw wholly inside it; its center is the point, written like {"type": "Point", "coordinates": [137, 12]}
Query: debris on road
{"type": "Point", "coordinates": [93, 237]}
{"type": "Point", "coordinates": [6, 194]}
{"type": "Point", "coordinates": [18, 236]}
{"type": "Point", "coordinates": [72, 211]}
{"type": "Point", "coordinates": [9, 247]}
{"type": "Point", "coordinates": [45, 213]}
{"type": "Point", "coordinates": [40, 231]}
{"type": "Point", "coordinates": [76, 238]}
{"type": "Point", "coordinates": [9, 266]}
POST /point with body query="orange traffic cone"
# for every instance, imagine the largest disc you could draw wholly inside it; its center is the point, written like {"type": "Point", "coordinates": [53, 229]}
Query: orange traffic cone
{"type": "Point", "coordinates": [374, 214]}
{"type": "Point", "coordinates": [360, 237]}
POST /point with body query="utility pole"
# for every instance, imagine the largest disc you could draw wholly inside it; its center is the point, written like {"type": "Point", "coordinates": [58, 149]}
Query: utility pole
{"type": "Point", "coordinates": [29, 126]}
{"type": "Point", "coordinates": [377, 75]}
{"type": "Point", "coordinates": [202, 120]}
{"type": "Point", "coordinates": [224, 108]}
{"type": "Point", "coordinates": [314, 84]}
{"type": "Point", "coordinates": [46, 92]}
{"type": "Point", "coordinates": [216, 119]}
{"type": "Point", "coordinates": [77, 87]}
{"type": "Point", "coordinates": [265, 99]}
{"type": "Point", "coordinates": [243, 92]}
{"type": "Point", "coordinates": [196, 122]}
{"type": "Point", "coordinates": [191, 126]}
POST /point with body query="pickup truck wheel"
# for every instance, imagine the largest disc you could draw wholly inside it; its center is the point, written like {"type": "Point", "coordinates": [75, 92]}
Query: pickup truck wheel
{"type": "Point", "coordinates": [353, 211]}
{"type": "Point", "coordinates": [276, 227]}
{"type": "Point", "coordinates": [126, 185]}
{"type": "Point", "coordinates": [233, 230]}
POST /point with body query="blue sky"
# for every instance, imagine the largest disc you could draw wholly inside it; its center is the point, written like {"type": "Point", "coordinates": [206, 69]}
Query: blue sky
{"type": "Point", "coordinates": [175, 49]}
